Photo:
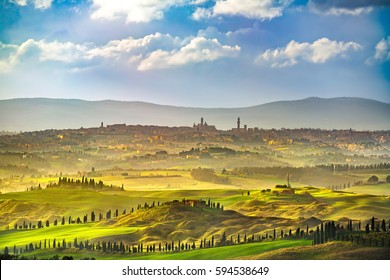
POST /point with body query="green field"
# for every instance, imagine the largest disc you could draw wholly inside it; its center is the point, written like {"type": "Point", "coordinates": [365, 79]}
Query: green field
{"type": "Point", "coordinates": [251, 206]}
{"type": "Point", "coordinates": [83, 232]}
{"type": "Point", "coordinates": [379, 189]}
{"type": "Point", "coordinates": [336, 250]}
{"type": "Point", "coordinates": [220, 253]}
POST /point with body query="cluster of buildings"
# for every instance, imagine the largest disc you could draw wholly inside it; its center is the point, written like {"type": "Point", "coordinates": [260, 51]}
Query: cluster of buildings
{"type": "Point", "coordinates": [245, 128]}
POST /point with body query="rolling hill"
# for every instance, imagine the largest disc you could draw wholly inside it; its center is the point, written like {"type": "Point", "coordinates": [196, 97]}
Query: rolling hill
{"type": "Point", "coordinates": [334, 113]}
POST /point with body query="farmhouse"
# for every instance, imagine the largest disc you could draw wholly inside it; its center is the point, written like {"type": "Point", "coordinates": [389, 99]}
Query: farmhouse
{"type": "Point", "coordinates": [195, 203]}
{"type": "Point", "coordinates": [188, 202]}
{"type": "Point", "coordinates": [288, 191]}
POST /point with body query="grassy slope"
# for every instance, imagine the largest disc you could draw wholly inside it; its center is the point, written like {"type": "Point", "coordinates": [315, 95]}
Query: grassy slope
{"type": "Point", "coordinates": [220, 253]}
{"type": "Point", "coordinates": [329, 251]}
{"type": "Point", "coordinates": [380, 189]}
{"type": "Point", "coordinates": [308, 202]}
{"type": "Point", "coordinates": [53, 204]}
{"type": "Point", "coordinates": [68, 232]}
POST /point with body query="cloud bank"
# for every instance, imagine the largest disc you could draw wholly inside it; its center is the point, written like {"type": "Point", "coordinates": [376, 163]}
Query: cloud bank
{"type": "Point", "coordinates": [346, 7]}
{"type": "Point", "coordinates": [253, 9]}
{"type": "Point", "coordinates": [154, 51]}
{"type": "Point", "coordinates": [319, 51]}
{"type": "Point", "coordinates": [382, 50]}
{"type": "Point", "coordinates": [134, 10]}
{"type": "Point", "coordinates": [38, 4]}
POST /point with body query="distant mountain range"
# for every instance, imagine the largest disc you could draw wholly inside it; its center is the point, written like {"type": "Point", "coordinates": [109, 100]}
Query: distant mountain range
{"type": "Point", "coordinates": [334, 113]}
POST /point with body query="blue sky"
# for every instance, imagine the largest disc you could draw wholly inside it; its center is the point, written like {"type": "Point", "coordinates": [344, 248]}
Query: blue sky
{"type": "Point", "coordinates": [198, 53]}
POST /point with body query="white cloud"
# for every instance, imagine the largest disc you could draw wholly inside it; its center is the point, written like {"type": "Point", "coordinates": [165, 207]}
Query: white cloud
{"type": "Point", "coordinates": [131, 46]}
{"type": "Point", "coordinates": [133, 10]}
{"type": "Point", "coordinates": [42, 4]}
{"type": "Point", "coordinates": [254, 9]}
{"type": "Point", "coordinates": [47, 51]}
{"type": "Point", "coordinates": [202, 13]}
{"type": "Point", "coordinates": [382, 50]}
{"type": "Point", "coordinates": [6, 51]}
{"type": "Point", "coordinates": [345, 7]}
{"type": "Point", "coordinates": [63, 52]}
{"type": "Point", "coordinates": [39, 4]}
{"type": "Point", "coordinates": [19, 2]}
{"type": "Point", "coordinates": [319, 51]}
{"type": "Point", "coordinates": [343, 11]}
{"type": "Point", "coordinates": [197, 50]}
{"type": "Point", "coordinates": [198, 2]}
{"type": "Point", "coordinates": [154, 51]}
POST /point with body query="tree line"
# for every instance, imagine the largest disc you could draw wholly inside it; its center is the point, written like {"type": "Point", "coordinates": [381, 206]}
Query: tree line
{"type": "Point", "coordinates": [167, 246]}
{"type": "Point", "coordinates": [325, 232]}
{"type": "Point", "coordinates": [349, 167]}
{"type": "Point", "coordinates": [83, 183]}
{"type": "Point", "coordinates": [93, 217]}
{"type": "Point", "coordinates": [330, 231]}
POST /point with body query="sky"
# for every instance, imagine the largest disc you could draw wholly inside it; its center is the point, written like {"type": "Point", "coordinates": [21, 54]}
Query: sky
{"type": "Point", "coordinates": [196, 53]}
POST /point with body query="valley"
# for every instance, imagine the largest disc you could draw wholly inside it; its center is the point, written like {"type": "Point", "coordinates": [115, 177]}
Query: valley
{"type": "Point", "coordinates": [148, 192]}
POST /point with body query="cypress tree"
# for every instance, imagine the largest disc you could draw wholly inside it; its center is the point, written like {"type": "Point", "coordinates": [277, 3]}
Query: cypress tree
{"type": "Point", "coordinates": [372, 223]}
{"type": "Point", "coordinates": [333, 230]}
{"type": "Point", "coordinates": [326, 235]}
{"type": "Point", "coordinates": [383, 225]}
{"type": "Point", "coordinates": [223, 239]}
{"type": "Point", "coordinates": [318, 241]}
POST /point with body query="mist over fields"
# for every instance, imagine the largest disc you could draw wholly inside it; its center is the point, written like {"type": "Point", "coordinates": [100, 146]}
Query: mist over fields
{"type": "Point", "coordinates": [335, 113]}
